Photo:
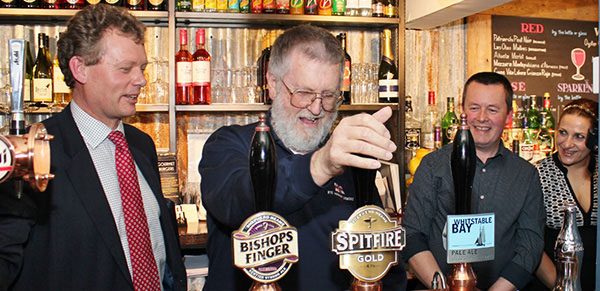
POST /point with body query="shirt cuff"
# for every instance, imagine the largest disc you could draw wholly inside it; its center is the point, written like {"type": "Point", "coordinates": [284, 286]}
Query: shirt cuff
{"type": "Point", "coordinates": [516, 275]}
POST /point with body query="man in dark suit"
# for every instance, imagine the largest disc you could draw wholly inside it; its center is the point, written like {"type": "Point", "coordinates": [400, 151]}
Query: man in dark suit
{"type": "Point", "coordinates": [83, 233]}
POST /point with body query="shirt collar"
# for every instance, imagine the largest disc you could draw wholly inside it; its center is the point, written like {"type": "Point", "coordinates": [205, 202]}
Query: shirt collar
{"type": "Point", "coordinates": [93, 131]}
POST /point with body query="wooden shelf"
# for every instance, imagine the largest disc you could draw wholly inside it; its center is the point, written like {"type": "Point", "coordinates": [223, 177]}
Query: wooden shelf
{"type": "Point", "coordinates": [250, 19]}
{"type": "Point", "coordinates": [27, 16]}
{"type": "Point", "coordinates": [262, 107]}
{"type": "Point", "coordinates": [152, 107]}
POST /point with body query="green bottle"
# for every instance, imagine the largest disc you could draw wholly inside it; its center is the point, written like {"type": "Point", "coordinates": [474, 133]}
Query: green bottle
{"type": "Point", "coordinates": [550, 123]}
{"type": "Point", "coordinates": [449, 123]}
{"type": "Point", "coordinates": [533, 115]}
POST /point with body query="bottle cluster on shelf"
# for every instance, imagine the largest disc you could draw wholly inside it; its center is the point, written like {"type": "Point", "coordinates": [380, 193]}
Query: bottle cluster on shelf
{"type": "Point", "coordinates": [240, 59]}
{"type": "Point", "coordinates": [375, 8]}
{"type": "Point", "coordinates": [529, 132]}
{"type": "Point", "coordinates": [154, 5]}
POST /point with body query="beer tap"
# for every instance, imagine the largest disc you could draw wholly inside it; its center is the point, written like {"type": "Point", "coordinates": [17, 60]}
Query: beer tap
{"type": "Point", "coordinates": [462, 161]}
{"type": "Point", "coordinates": [24, 156]}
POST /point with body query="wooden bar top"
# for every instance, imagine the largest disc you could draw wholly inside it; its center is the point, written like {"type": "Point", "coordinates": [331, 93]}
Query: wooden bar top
{"type": "Point", "coordinates": [193, 235]}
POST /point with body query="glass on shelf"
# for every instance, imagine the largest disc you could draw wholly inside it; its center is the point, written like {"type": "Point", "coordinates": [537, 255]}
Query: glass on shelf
{"type": "Point", "coordinates": [158, 89]}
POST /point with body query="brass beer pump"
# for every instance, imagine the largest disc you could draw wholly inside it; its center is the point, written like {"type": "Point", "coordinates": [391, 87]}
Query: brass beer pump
{"type": "Point", "coordinates": [463, 158]}
{"type": "Point", "coordinates": [24, 156]}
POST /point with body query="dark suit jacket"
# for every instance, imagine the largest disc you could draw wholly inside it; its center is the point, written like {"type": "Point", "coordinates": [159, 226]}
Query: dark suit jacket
{"type": "Point", "coordinates": [66, 238]}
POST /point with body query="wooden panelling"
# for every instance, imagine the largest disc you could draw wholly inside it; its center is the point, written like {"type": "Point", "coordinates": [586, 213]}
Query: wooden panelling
{"type": "Point", "coordinates": [479, 43]}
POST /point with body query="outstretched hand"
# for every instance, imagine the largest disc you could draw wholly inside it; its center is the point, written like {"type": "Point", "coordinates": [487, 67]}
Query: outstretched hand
{"type": "Point", "coordinates": [362, 134]}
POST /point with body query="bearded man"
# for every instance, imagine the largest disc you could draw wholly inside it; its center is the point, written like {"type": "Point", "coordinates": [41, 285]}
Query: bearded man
{"type": "Point", "coordinates": [314, 188]}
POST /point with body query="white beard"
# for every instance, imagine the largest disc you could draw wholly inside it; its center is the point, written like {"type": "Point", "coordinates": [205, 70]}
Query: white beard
{"type": "Point", "coordinates": [300, 140]}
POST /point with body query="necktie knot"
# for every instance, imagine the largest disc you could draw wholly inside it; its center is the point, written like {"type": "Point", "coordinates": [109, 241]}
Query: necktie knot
{"type": "Point", "coordinates": [117, 138]}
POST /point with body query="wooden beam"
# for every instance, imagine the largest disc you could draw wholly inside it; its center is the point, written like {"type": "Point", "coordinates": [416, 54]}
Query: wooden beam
{"type": "Point", "coordinates": [479, 43]}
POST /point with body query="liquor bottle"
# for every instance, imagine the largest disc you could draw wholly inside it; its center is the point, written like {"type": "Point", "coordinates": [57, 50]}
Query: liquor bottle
{"type": "Point", "coordinates": [437, 137]}
{"type": "Point", "coordinates": [47, 48]}
{"type": "Point", "coordinates": [61, 92]}
{"type": "Point", "coordinates": [183, 71]}
{"type": "Point", "coordinates": [550, 123]}
{"type": "Point", "coordinates": [283, 6]}
{"type": "Point", "coordinates": [324, 7]}
{"type": "Point", "coordinates": [412, 126]}
{"type": "Point", "coordinates": [568, 252]}
{"type": "Point", "coordinates": [222, 6]}
{"type": "Point", "coordinates": [263, 165]}
{"type": "Point", "coordinates": [244, 6]}
{"type": "Point", "coordinates": [377, 7]}
{"type": "Point", "coordinates": [135, 4]}
{"type": "Point", "coordinates": [347, 69]}
{"type": "Point", "coordinates": [117, 3]}
{"type": "Point", "coordinates": [268, 6]}
{"type": "Point", "coordinates": [256, 6]}
{"type": "Point", "coordinates": [533, 115]}
{"type": "Point", "coordinates": [157, 5]}
{"type": "Point", "coordinates": [297, 7]}
{"type": "Point", "coordinates": [42, 75]}
{"type": "Point", "coordinates": [201, 71]}
{"type": "Point", "coordinates": [351, 8]}
{"type": "Point", "coordinates": [429, 122]}
{"type": "Point", "coordinates": [388, 73]}
{"type": "Point", "coordinates": [526, 145]}
{"type": "Point", "coordinates": [338, 8]}
{"type": "Point", "coordinates": [546, 136]}
{"type": "Point", "coordinates": [50, 4]}
{"type": "Point", "coordinates": [73, 4]}
{"type": "Point", "coordinates": [27, 88]}
{"type": "Point", "coordinates": [310, 7]}
{"type": "Point", "coordinates": [210, 5]}
{"type": "Point", "coordinates": [390, 9]}
{"type": "Point", "coordinates": [30, 4]}
{"type": "Point", "coordinates": [233, 6]}
{"type": "Point", "coordinates": [365, 8]}
{"type": "Point", "coordinates": [449, 123]}
{"type": "Point", "coordinates": [8, 4]}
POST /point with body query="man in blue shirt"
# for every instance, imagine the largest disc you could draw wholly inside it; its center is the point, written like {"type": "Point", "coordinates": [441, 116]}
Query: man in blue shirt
{"type": "Point", "coordinates": [314, 187]}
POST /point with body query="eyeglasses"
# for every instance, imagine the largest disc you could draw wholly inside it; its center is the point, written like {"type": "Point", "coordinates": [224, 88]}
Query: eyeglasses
{"type": "Point", "coordinates": [300, 98]}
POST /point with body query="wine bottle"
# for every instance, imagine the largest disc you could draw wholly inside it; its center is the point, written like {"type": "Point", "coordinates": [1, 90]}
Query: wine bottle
{"type": "Point", "coordinates": [42, 75]}
{"type": "Point", "coordinates": [27, 87]}
{"type": "Point", "coordinates": [429, 122]}
{"type": "Point", "coordinates": [550, 123]}
{"type": "Point", "coordinates": [347, 69]}
{"type": "Point", "coordinates": [568, 252]}
{"type": "Point", "coordinates": [61, 92]}
{"type": "Point", "coordinates": [157, 5]}
{"type": "Point", "coordinates": [183, 71]}
{"type": "Point", "coordinates": [201, 70]}
{"type": "Point", "coordinates": [462, 161]}
{"type": "Point", "coordinates": [449, 123]}
{"type": "Point", "coordinates": [135, 4]}
{"type": "Point", "coordinates": [533, 115]}
{"type": "Point", "coordinates": [263, 165]}
{"type": "Point", "coordinates": [297, 7]}
{"type": "Point", "coordinates": [388, 73]}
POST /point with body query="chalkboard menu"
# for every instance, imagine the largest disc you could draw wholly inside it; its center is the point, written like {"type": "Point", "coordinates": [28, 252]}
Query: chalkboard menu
{"type": "Point", "coordinates": [541, 55]}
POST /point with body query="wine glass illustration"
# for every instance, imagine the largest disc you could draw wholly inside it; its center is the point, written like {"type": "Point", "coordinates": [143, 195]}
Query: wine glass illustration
{"type": "Point", "coordinates": [578, 59]}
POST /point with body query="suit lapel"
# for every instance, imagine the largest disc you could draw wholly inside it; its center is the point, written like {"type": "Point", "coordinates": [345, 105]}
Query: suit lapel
{"type": "Point", "coordinates": [84, 178]}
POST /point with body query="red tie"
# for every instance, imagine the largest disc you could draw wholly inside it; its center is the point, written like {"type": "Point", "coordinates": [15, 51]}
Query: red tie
{"type": "Point", "coordinates": [145, 272]}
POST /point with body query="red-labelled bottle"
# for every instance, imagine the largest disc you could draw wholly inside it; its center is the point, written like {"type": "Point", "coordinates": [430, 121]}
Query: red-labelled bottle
{"type": "Point", "coordinates": [263, 165]}
{"type": "Point", "coordinates": [135, 4]}
{"type": "Point", "coordinates": [201, 70]}
{"type": "Point", "coordinates": [256, 6]}
{"type": "Point", "coordinates": [183, 71]}
{"type": "Point", "coordinates": [324, 7]}
{"type": "Point", "coordinates": [268, 6]}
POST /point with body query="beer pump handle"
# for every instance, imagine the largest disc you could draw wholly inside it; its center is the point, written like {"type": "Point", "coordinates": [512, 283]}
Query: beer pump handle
{"type": "Point", "coordinates": [263, 165]}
